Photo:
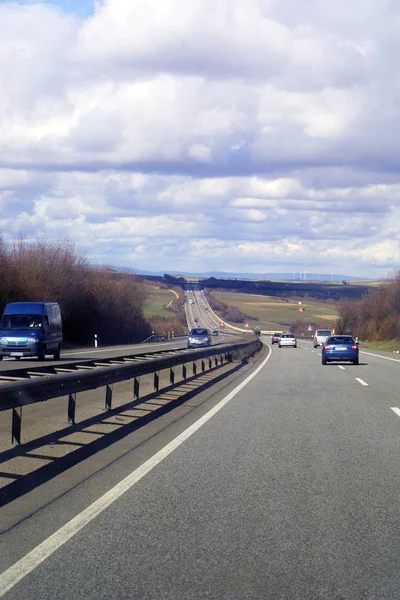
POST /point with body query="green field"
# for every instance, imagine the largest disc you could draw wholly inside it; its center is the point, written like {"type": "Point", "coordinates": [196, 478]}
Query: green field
{"type": "Point", "coordinates": [157, 303]}
{"type": "Point", "coordinates": [389, 346]}
{"type": "Point", "coordinates": [277, 313]}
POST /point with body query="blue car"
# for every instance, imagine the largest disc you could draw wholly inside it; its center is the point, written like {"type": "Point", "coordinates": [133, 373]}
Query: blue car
{"type": "Point", "coordinates": [340, 348]}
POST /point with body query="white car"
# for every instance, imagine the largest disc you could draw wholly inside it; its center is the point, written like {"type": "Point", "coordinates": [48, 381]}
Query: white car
{"type": "Point", "coordinates": [287, 339]}
{"type": "Point", "coordinates": [320, 336]}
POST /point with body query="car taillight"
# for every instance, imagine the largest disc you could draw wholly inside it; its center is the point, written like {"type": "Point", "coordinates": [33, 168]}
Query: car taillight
{"type": "Point", "coordinates": [326, 347]}
{"type": "Point", "coordinates": [354, 347]}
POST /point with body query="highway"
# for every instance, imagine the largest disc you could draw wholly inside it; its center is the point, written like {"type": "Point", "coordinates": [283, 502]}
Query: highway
{"type": "Point", "coordinates": [197, 305]}
{"type": "Point", "coordinates": [198, 309]}
{"type": "Point", "coordinates": [285, 487]}
{"type": "Point", "coordinates": [70, 356]}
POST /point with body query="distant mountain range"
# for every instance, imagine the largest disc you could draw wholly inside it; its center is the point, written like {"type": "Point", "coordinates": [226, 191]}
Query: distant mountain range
{"type": "Point", "coordinates": [276, 276]}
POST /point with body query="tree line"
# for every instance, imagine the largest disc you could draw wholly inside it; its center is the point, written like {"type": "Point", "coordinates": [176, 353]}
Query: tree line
{"type": "Point", "coordinates": [92, 300]}
{"type": "Point", "coordinates": [376, 317]}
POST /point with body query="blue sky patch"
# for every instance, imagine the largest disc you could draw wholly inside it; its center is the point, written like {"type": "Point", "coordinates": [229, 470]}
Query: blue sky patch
{"type": "Point", "coordinates": [82, 8]}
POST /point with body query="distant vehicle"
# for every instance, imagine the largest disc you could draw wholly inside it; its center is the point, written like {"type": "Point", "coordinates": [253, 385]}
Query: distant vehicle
{"type": "Point", "coordinates": [191, 301]}
{"type": "Point", "coordinates": [275, 338]}
{"type": "Point", "coordinates": [340, 348]}
{"type": "Point", "coordinates": [287, 339]}
{"type": "Point", "coordinates": [215, 332]}
{"type": "Point", "coordinates": [256, 329]}
{"type": "Point", "coordinates": [320, 336]}
{"type": "Point", "coordinates": [31, 329]}
{"type": "Point", "coordinates": [199, 337]}
{"type": "Point", "coordinates": [196, 319]}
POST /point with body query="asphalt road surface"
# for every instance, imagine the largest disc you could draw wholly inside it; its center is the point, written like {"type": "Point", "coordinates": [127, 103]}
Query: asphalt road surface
{"type": "Point", "coordinates": [67, 356]}
{"type": "Point", "coordinates": [289, 492]}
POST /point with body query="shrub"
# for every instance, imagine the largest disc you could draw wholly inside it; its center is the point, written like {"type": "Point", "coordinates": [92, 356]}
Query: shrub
{"type": "Point", "coordinates": [100, 301]}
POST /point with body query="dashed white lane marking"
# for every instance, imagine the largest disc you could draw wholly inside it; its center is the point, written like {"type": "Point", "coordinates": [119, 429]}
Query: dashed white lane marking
{"type": "Point", "coordinates": [361, 381]}
{"type": "Point", "coordinates": [396, 410]}
{"type": "Point", "coordinates": [341, 367]}
{"type": "Point", "coordinates": [33, 559]}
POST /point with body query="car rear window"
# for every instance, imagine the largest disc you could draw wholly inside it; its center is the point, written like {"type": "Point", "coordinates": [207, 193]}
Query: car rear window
{"type": "Point", "coordinates": [287, 335]}
{"type": "Point", "coordinates": [340, 340]}
{"type": "Point", "coordinates": [323, 332]}
{"type": "Point", "coordinates": [199, 332]}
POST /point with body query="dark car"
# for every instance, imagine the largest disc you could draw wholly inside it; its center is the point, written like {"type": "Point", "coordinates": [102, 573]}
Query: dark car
{"type": "Point", "coordinates": [215, 332]}
{"type": "Point", "coordinates": [275, 338]}
{"type": "Point", "coordinates": [338, 348]}
{"type": "Point", "coordinates": [199, 337]}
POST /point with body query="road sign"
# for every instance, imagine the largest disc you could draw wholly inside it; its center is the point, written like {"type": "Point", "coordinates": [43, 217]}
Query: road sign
{"type": "Point", "coordinates": [309, 328]}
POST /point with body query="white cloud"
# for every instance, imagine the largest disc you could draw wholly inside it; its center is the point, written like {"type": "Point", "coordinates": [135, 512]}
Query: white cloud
{"type": "Point", "coordinates": [238, 132]}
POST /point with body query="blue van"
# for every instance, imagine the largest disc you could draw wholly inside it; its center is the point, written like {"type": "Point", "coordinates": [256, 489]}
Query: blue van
{"type": "Point", "coordinates": [31, 329]}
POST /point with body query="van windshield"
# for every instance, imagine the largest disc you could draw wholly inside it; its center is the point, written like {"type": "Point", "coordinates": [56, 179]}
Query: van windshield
{"type": "Point", "coordinates": [324, 332]}
{"type": "Point", "coordinates": [24, 321]}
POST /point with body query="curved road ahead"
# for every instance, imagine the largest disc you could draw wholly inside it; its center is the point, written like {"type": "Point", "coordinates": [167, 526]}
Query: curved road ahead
{"type": "Point", "coordinates": [289, 491]}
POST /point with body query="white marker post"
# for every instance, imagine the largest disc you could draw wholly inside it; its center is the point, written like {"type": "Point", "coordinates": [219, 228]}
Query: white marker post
{"type": "Point", "coordinates": [95, 340]}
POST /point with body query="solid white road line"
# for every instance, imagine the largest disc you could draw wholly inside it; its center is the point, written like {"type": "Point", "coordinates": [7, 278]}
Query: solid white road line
{"type": "Point", "coordinates": [33, 559]}
{"type": "Point", "coordinates": [341, 367]}
{"type": "Point", "coordinates": [137, 346]}
{"type": "Point", "coordinates": [361, 381]}
{"type": "Point", "coordinates": [396, 410]}
{"type": "Point", "coordinates": [379, 356]}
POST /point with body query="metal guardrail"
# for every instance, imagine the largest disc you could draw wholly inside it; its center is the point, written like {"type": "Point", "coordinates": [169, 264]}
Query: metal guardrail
{"type": "Point", "coordinates": [15, 395]}
{"type": "Point", "coordinates": [163, 338]}
{"type": "Point", "coordinates": [154, 338]}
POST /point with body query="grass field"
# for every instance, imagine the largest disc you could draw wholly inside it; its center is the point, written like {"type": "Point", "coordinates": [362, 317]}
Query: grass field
{"type": "Point", "coordinates": [390, 345]}
{"type": "Point", "coordinates": [157, 303]}
{"type": "Point", "coordinates": [274, 313]}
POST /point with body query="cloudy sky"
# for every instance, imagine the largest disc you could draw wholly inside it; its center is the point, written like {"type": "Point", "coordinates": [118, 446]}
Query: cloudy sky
{"type": "Point", "coordinates": [198, 135]}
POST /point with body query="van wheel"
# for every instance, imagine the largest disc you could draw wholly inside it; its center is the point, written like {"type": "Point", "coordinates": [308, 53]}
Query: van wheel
{"type": "Point", "coordinates": [1, 357]}
{"type": "Point", "coordinates": [57, 353]}
{"type": "Point", "coordinates": [41, 355]}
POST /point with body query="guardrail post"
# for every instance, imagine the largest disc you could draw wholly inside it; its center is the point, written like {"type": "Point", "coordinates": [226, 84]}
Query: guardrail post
{"type": "Point", "coordinates": [156, 381]}
{"type": "Point", "coordinates": [108, 396]}
{"type": "Point", "coordinates": [171, 376]}
{"type": "Point", "coordinates": [71, 408]}
{"type": "Point", "coordinates": [210, 364]}
{"type": "Point", "coordinates": [16, 426]}
{"type": "Point", "coordinates": [136, 388]}
{"type": "Point", "coordinates": [194, 368]}
{"type": "Point", "coordinates": [203, 366]}
{"type": "Point", "coordinates": [183, 371]}
{"type": "Point", "coordinates": [216, 361]}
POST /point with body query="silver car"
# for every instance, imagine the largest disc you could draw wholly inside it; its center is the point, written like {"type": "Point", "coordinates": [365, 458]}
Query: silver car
{"type": "Point", "coordinates": [199, 337]}
{"type": "Point", "coordinates": [287, 339]}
